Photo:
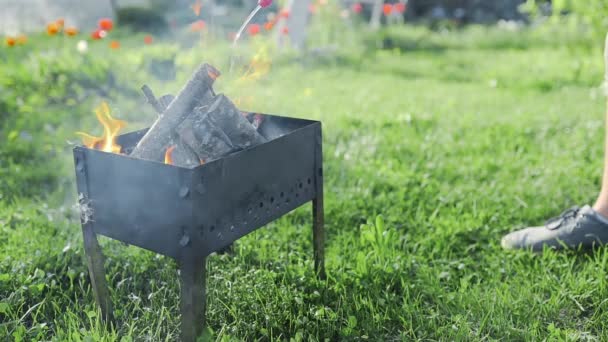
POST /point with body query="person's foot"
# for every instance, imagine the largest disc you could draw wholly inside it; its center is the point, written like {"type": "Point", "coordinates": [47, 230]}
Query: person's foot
{"type": "Point", "coordinates": [574, 228]}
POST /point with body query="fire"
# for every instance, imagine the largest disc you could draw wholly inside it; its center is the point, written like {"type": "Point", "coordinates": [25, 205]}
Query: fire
{"type": "Point", "coordinates": [111, 128]}
{"type": "Point", "coordinates": [258, 67]}
{"type": "Point", "coordinates": [169, 155]}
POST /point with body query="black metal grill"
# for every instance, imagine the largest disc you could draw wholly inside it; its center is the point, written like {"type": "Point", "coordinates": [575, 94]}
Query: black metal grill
{"type": "Point", "coordinates": [188, 214]}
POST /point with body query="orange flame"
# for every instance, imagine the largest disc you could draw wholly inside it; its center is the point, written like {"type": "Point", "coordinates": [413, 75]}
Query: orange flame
{"type": "Point", "coordinates": [258, 67]}
{"type": "Point", "coordinates": [169, 155]}
{"type": "Point", "coordinates": [111, 128]}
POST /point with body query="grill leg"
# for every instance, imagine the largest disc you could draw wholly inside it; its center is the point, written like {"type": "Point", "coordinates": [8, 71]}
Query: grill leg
{"type": "Point", "coordinates": [318, 235]}
{"type": "Point", "coordinates": [193, 278]}
{"type": "Point", "coordinates": [97, 273]}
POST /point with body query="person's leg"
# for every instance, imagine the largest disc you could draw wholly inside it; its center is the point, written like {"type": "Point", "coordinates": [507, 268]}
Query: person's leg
{"type": "Point", "coordinates": [601, 204]}
{"type": "Point", "coordinates": [576, 227]}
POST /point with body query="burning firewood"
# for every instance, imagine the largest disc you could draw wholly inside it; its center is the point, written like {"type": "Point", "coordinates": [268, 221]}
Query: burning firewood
{"type": "Point", "coordinates": [195, 93]}
{"type": "Point", "coordinates": [196, 125]}
{"type": "Point", "coordinates": [218, 130]}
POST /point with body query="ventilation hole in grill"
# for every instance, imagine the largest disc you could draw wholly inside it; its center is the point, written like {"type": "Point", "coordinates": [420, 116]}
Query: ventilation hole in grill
{"type": "Point", "coordinates": [261, 204]}
{"type": "Point", "coordinates": [308, 181]}
{"type": "Point", "coordinates": [282, 194]}
{"type": "Point", "coordinates": [212, 228]}
{"type": "Point", "coordinates": [320, 172]}
{"type": "Point", "coordinates": [271, 199]}
{"type": "Point", "coordinates": [297, 194]}
{"type": "Point", "coordinates": [300, 185]}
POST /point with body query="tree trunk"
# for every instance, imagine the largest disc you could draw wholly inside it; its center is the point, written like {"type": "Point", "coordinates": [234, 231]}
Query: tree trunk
{"type": "Point", "coordinates": [374, 22]}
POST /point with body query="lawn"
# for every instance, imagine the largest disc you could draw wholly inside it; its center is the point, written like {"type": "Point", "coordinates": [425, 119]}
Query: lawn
{"type": "Point", "coordinates": [433, 150]}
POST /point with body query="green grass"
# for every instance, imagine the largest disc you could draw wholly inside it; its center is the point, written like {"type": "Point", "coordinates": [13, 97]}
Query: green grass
{"type": "Point", "coordinates": [451, 146]}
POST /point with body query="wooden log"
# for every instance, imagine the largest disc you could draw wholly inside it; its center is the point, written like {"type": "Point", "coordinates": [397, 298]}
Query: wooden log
{"type": "Point", "coordinates": [182, 155]}
{"type": "Point", "coordinates": [197, 92]}
{"type": "Point", "coordinates": [218, 130]}
{"type": "Point", "coordinates": [165, 100]}
{"type": "Point", "coordinates": [151, 99]}
{"type": "Point", "coordinates": [225, 116]}
{"type": "Point", "coordinates": [204, 138]}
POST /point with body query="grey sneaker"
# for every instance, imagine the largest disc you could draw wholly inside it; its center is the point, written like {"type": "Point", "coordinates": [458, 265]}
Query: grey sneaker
{"type": "Point", "coordinates": [575, 227]}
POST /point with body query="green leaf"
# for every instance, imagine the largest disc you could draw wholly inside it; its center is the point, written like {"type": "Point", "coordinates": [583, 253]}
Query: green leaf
{"type": "Point", "coordinates": [12, 135]}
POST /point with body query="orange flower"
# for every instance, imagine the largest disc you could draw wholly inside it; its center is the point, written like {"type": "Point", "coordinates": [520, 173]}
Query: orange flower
{"type": "Point", "coordinates": [10, 41]}
{"type": "Point", "coordinates": [71, 31]}
{"type": "Point", "coordinates": [105, 24]}
{"type": "Point", "coordinates": [268, 25]}
{"type": "Point", "coordinates": [115, 45]}
{"type": "Point", "coordinates": [253, 29]}
{"type": "Point", "coordinates": [52, 29]}
{"type": "Point", "coordinates": [148, 39]}
{"type": "Point", "coordinates": [387, 9]}
{"type": "Point", "coordinates": [196, 7]}
{"type": "Point", "coordinates": [284, 13]}
{"type": "Point", "coordinates": [198, 26]}
{"type": "Point", "coordinates": [21, 39]}
{"type": "Point", "coordinates": [60, 22]}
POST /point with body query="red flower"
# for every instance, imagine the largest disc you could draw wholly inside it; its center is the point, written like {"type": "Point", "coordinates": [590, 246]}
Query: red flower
{"type": "Point", "coordinates": [98, 34]}
{"type": "Point", "coordinates": [198, 26]}
{"type": "Point", "coordinates": [285, 30]}
{"type": "Point", "coordinates": [105, 24]}
{"type": "Point", "coordinates": [268, 25]}
{"type": "Point", "coordinates": [264, 3]}
{"type": "Point", "coordinates": [253, 29]}
{"type": "Point", "coordinates": [148, 39]}
{"type": "Point", "coordinates": [357, 7]}
{"type": "Point", "coordinates": [387, 9]}
{"type": "Point", "coordinates": [400, 7]}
